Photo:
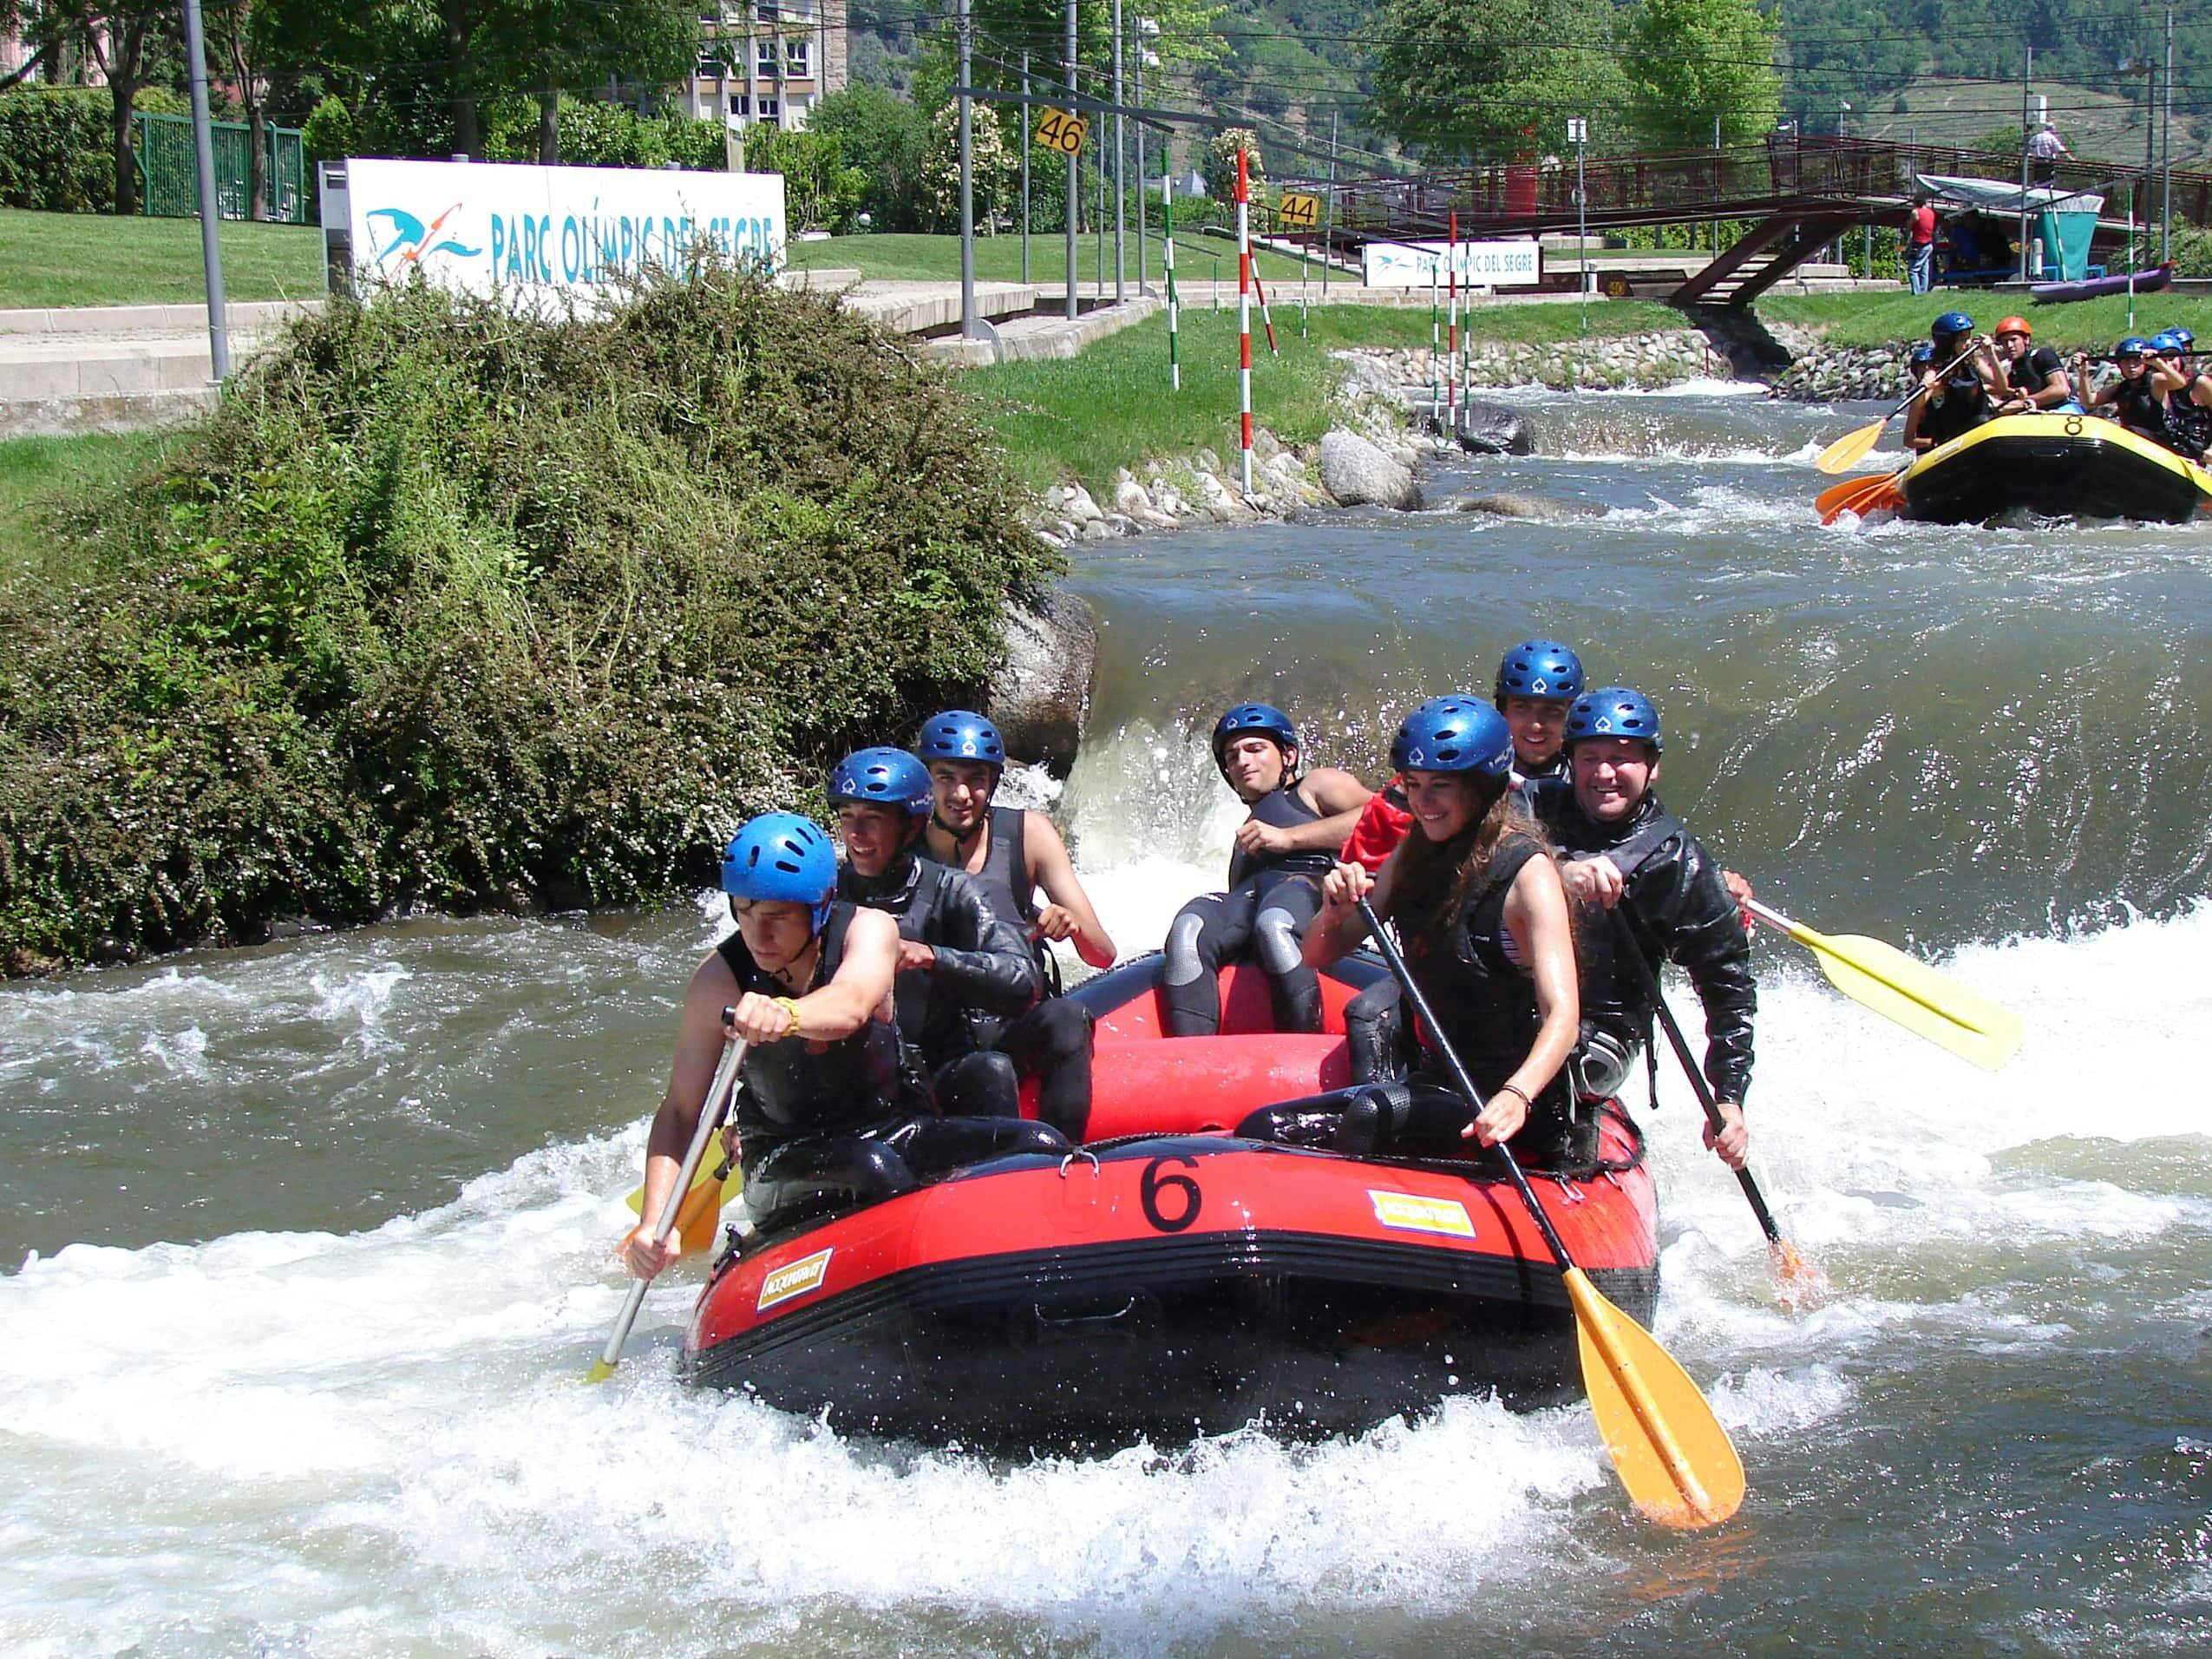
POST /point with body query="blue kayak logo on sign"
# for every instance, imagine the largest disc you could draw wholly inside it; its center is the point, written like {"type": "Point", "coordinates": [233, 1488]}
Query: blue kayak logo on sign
{"type": "Point", "coordinates": [413, 242]}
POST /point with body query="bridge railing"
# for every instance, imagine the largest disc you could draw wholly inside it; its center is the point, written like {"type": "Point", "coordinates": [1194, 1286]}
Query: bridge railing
{"type": "Point", "coordinates": [1733, 181]}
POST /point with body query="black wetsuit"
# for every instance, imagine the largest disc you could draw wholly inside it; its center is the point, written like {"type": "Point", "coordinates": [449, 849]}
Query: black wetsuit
{"type": "Point", "coordinates": [948, 1013]}
{"type": "Point", "coordinates": [1051, 1041]}
{"type": "Point", "coordinates": [1964, 405]}
{"type": "Point", "coordinates": [1675, 900]}
{"type": "Point", "coordinates": [1273, 897]}
{"type": "Point", "coordinates": [824, 1126]}
{"type": "Point", "coordinates": [2140, 407]}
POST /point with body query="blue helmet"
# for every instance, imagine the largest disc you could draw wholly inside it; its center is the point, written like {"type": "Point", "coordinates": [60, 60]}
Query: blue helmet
{"type": "Point", "coordinates": [781, 857]}
{"type": "Point", "coordinates": [1616, 712]}
{"type": "Point", "coordinates": [1950, 323]}
{"type": "Point", "coordinates": [1540, 668]}
{"type": "Point", "coordinates": [2165, 341]}
{"type": "Point", "coordinates": [959, 735]}
{"type": "Point", "coordinates": [2183, 338]}
{"type": "Point", "coordinates": [1456, 732]}
{"type": "Point", "coordinates": [1246, 719]}
{"type": "Point", "coordinates": [2134, 346]}
{"type": "Point", "coordinates": [1921, 356]}
{"type": "Point", "coordinates": [881, 778]}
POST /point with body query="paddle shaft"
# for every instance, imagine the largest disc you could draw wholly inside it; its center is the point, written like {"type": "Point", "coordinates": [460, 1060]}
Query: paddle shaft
{"type": "Point", "coordinates": [1384, 944]}
{"type": "Point", "coordinates": [1819, 943]}
{"type": "Point", "coordinates": [1633, 936]}
{"type": "Point", "coordinates": [710, 1114]}
{"type": "Point", "coordinates": [1921, 390]}
{"type": "Point", "coordinates": [1847, 449]}
{"type": "Point", "coordinates": [1639, 1395]}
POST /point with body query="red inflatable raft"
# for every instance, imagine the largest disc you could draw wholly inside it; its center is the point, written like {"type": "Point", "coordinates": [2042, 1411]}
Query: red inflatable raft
{"type": "Point", "coordinates": [1172, 1278]}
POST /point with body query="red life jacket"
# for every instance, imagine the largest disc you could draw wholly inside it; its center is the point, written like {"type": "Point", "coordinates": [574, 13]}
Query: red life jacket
{"type": "Point", "coordinates": [1381, 827]}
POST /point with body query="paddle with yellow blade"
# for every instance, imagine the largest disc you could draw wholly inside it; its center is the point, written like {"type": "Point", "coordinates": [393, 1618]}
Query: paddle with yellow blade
{"type": "Point", "coordinates": [710, 1114]}
{"type": "Point", "coordinates": [696, 1219]}
{"type": "Point", "coordinates": [1845, 452]}
{"type": "Point", "coordinates": [1668, 1448]}
{"type": "Point", "coordinates": [1910, 993]}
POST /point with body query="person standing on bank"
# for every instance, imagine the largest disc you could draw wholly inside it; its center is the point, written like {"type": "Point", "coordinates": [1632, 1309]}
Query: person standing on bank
{"type": "Point", "coordinates": [962, 968]}
{"type": "Point", "coordinates": [2045, 147]}
{"type": "Point", "coordinates": [1011, 853]}
{"type": "Point", "coordinates": [1627, 855]}
{"type": "Point", "coordinates": [1286, 844]}
{"type": "Point", "coordinates": [807, 980]}
{"type": "Point", "coordinates": [1920, 243]}
{"type": "Point", "coordinates": [1477, 901]}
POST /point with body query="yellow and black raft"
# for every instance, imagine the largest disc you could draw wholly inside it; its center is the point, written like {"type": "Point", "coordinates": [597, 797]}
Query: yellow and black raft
{"type": "Point", "coordinates": [2057, 466]}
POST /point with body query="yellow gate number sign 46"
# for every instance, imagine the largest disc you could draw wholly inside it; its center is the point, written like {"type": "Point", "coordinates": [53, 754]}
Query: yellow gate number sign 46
{"type": "Point", "coordinates": [1297, 212]}
{"type": "Point", "coordinates": [1063, 131]}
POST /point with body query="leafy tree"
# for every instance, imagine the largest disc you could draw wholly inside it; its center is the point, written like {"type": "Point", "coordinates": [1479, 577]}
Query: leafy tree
{"type": "Point", "coordinates": [1221, 163]}
{"type": "Point", "coordinates": [884, 138]}
{"type": "Point", "coordinates": [127, 40]}
{"type": "Point", "coordinates": [1468, 82]}
{"type": "Point", "coordinates": [1690, 62]}
{"type": "Point", "coordinates": [995, 167]}
{"type": "Point", "coordinates": [820, 191]}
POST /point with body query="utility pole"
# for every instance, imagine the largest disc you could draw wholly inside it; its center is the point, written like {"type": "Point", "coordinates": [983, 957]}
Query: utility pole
{"type": "Point", "coordinates": [2166, 166]}
{"type": "Point", "coordinates": [1578, 129]}
{"type": "Point", "coordinates": [1329, 209]}
{"type": "Point", "coordinates": [1025, 112]}
{"type": "Point", "coordinates": [2026, 75]}
{"type": "Point", "coordinates": [203, 146]}
{"type": "Point", "coordinates": [1144, 212]}
{"type": "Point", "coordinates": [1121, 167]}
{"type": "Point", "coordinates": [967, 183]}
{"type": "Point", "coordinates": [1075, 183]}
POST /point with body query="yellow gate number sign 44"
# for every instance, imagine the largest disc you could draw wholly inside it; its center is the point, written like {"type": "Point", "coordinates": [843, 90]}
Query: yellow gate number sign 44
{"type": "Point", "coordinates": [1297, 212]}
{"type": "Point", "coordinates": [1063, 131]}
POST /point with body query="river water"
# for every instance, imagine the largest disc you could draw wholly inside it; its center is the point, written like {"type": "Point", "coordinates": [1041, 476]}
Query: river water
{"type": "Point", "coordinates": [306, 1244]}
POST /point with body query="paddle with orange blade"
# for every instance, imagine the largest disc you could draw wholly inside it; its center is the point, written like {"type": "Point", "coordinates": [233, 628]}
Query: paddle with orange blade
{"type": "Point", "coordinates": [1801, 1282]}
{"type": "Point", "coordinates": [1846, 452]}
{"type": "Point", "coordinates": [1668, 1448]}
{"type": "Point", "coordinates": [1860, 495]}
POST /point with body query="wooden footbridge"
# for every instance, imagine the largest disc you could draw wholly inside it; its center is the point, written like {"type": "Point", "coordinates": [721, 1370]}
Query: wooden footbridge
{"type": "Point", "coordinates": [1800, 193]}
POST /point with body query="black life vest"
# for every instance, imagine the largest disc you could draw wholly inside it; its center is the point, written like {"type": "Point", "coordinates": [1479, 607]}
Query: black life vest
{"type": "Point", "coordinates": [1284, 809]}
{"type": "Point", "coordinates": [1485, 1002]}
{"type": "Point", "coordinates": [2140, 408]}
{"type": "Point", "coordinates": [2030, 372]}
{"type": "Point", "coordinates": [2190, 422]}
{"type": "Point", "coordinates": [1004, 875]}
{"type": "Point", "coordinates": [813, 1088]}
{"type": "Point", "coordinates": [1964, 405]}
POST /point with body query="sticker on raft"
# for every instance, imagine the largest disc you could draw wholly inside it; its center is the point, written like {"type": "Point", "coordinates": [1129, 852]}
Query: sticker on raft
{"type": "Point", "coordinates": [1409, 1213]}
{"type": "Point", "coordinates": [796, 1279]}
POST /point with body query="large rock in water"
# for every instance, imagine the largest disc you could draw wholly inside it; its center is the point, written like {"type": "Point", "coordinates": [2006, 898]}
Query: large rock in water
{"type": "Point", "coordinates": [1492, 428]}
{"type": "Point", "coordinates": [1041, 696]}
{"type": "Point", "coordinates": [1357, 473]}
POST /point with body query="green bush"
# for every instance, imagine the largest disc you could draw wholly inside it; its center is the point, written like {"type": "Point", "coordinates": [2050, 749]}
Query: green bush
{"type": "Point", "coordinates": [594, 133]}
{"type": "Point", "coordinates": [56, 154]}
{"type": "Point", "coordinates": [449, 607]}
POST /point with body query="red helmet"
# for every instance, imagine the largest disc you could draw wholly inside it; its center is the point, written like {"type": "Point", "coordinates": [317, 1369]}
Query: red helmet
{"type": "Point", "coordinates": [2013, 325]}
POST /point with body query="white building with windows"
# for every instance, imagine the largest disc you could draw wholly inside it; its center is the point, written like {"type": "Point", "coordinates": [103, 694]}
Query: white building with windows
{"type": "Point", "coordinates": [771, 61]}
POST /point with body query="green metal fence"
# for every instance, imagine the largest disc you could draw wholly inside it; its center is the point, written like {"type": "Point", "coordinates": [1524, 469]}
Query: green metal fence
{"type": "Point", "coordinates": [169, 180]}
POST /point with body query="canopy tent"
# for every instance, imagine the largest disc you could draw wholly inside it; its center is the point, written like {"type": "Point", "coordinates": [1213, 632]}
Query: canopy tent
{"type": "Point", "coordinates": [2065, 220]}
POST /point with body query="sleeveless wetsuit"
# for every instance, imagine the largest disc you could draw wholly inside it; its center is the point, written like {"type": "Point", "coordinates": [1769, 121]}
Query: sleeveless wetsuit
{"type": "Point", "coordinates": [1273, 897]}
{"type": "Point", "coordinates": [2139, 406]}
{"type": "Point", "coordinates": [2188, 421]}
{"type": "Point", "coordinates": [1964, 406]}
{"type": "Point", "coordinates": [1051, 1041]}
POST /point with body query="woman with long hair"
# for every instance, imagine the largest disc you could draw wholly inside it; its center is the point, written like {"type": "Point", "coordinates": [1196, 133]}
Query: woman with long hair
{"type": "Point", "coordinates": [1476, 898]}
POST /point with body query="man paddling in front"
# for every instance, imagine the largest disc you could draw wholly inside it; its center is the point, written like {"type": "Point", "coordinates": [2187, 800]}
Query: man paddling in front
{"type": "Point", "coordinates": [1012, 854]}
{"type": "Point", "coordinates": [1284, 847]}
{"type": "Point", "coordinates": [808, 980]}
{"type": "Point", "coordinates": [1627, 855]}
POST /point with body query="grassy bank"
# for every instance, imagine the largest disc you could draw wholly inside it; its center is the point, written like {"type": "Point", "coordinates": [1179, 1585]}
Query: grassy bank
{"type": "Point", "coordinates": [93, 259]}
{"type": "Point", "coordinates": [998, 259]}
{"type": "Point", "coordinates": [2090, 325]}
{"type": "Point", "coordinates": [1109, 408]}
{"type": "Point", "coordinates": [36, 474]}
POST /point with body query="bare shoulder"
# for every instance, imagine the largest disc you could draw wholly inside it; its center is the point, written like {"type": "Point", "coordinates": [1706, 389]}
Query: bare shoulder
{"type": "Point", "coordinates": [1331, 788]}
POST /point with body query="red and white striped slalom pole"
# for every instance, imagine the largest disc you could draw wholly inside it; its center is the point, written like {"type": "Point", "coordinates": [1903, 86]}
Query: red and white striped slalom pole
{"type": "Point", "coordinates": [1244, 316]}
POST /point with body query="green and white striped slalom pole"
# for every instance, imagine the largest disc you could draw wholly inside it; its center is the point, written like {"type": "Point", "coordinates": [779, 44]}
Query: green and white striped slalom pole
{"type": "Point", "coordinates": [1168, 215]}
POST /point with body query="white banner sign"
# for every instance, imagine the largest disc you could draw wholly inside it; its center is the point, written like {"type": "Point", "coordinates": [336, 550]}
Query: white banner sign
{"type": "Point", "coordinates": [1518, 264]}
{"type": "Point", "coordinates": [487, 228]}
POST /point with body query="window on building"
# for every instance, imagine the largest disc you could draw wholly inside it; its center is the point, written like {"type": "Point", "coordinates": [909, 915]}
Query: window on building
{"type": "Point", "coordinates": [740, 104]}
{"type": "Point", "coordinates": [770, 110]}
{"type": "Point", "coordinates": [764, 55]}
{"type": "Point", "coordinates": [796, 57]}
